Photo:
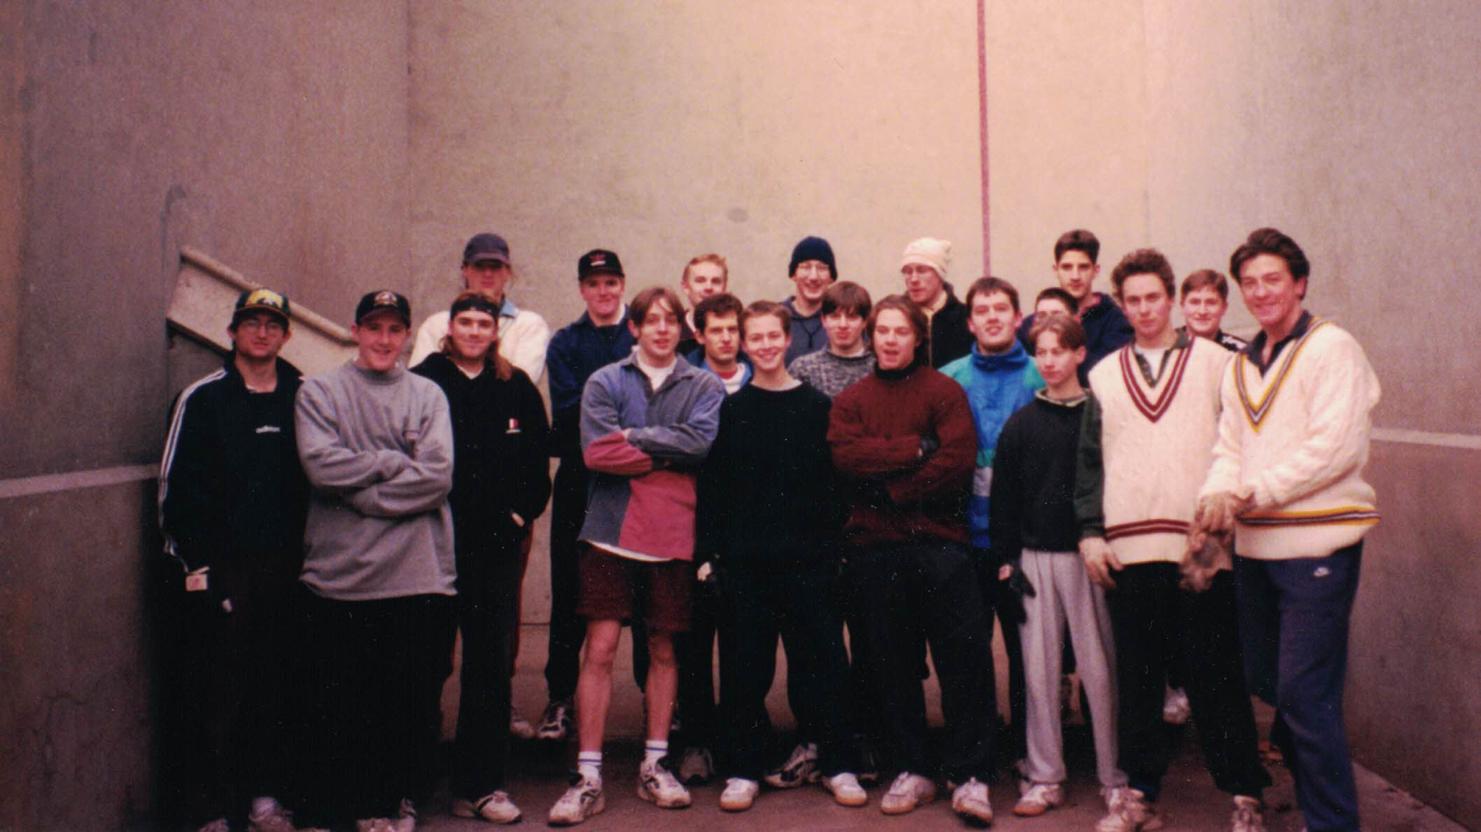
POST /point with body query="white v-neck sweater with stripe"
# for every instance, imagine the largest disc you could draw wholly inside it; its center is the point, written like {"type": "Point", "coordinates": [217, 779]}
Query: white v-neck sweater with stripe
{"type": "Point", "coordinates": [1156, 447]}
{"type": "Point", "coordinates": [1296, 440]}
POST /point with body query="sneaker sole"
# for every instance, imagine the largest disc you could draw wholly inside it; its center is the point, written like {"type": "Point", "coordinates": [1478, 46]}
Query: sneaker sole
{"type": "Point", "coordinates": [737, 807]}
{"type": "Point", "coordinates": [905, 810]}
{"type": "Point", "coordinates": [599, 806]}
{"type": "Point", "coordinates": [464, 809]}
{"type": "Point", "coordinates": [851, 802]}
{"type": "Point", "coordinates": [981, 816]}
{"type": "Point", "coordinates": [663, 804]}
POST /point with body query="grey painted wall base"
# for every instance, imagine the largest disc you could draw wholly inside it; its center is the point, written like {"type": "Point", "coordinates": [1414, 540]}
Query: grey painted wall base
{"type": "Point", "coordinates": [1412, 707]}
{"type": "Point", "coordinates": [75, 713]}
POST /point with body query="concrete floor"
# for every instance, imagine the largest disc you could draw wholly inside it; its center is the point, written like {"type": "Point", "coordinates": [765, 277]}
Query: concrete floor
{"type": "Point", "coordinates": [1189, 802]}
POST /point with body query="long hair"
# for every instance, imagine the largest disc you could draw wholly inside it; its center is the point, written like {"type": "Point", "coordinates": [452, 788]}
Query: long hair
{"type": "Point", "coordinates": [503, 370]}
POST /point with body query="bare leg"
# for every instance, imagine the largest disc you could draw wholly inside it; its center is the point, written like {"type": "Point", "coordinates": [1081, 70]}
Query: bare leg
{"type": "Point", "coordinates": [594, 685]}
{"type": "Point", "coordinates": [663, 685]}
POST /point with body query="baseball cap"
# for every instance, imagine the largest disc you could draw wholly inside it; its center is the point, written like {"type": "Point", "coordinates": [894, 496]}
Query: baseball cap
{"type": "Point", "coordinates": [485, 248]}
{"type": "Point", "coordinates": [383, 299]}
{"type": "Point", "coordinates": [599, 261]}
{"type": "Point", "coordinates": [260, 300]}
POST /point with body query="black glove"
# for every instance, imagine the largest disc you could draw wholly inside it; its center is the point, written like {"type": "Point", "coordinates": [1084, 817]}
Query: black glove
{"type": "Point", "coordinates": [1014, 589]}
{"type": "Point", "coordinates": [1018, 583]}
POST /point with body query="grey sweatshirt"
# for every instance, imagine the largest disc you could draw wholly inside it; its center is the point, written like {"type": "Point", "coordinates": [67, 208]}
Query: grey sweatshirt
{"type": "Point", "coordinates": [378, 451]}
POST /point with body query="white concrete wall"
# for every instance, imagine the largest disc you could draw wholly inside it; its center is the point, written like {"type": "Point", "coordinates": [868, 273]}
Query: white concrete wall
{"type": "Point", "coordinates": [665, 130]}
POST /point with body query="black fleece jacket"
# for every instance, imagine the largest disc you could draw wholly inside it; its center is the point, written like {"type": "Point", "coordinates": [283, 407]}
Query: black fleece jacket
{"type": "Point", "coordinates": [501, 452]}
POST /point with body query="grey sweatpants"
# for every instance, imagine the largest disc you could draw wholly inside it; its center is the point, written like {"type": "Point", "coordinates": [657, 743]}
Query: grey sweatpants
{"type": "Point", "coordinates": [1064, 593]}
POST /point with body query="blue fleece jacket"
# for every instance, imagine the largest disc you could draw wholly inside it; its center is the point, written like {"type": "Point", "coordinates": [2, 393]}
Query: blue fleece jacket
{"type": "Point", "coordinates": [997, 386]}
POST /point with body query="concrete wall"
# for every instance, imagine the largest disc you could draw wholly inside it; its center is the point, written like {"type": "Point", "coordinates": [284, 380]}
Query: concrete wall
{"type": "Point", "coordinates": [664, 130]}
{"type": "Point", "coordinates": [273, 135]}
{"type": "Point", "coordinates": [333, 148]}
{"type": "Point", "coordinates": [1185, 125]}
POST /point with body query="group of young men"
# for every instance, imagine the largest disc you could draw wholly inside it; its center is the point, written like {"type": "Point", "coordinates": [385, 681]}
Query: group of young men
{"type": "Point", "coordinates": [1187, 507]}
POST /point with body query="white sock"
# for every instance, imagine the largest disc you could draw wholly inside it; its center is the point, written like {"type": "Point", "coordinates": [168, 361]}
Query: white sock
{"type": "Point", "coordinates": [589, 765]}
{"type": "Point", "coordinates": [655, 750]}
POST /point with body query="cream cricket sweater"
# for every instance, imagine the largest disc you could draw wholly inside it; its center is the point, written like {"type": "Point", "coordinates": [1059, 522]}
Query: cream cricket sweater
{"type": "Point", "coordinates": [1296, 440]}
{"type": "Point", "coordinates": [1156, 444]}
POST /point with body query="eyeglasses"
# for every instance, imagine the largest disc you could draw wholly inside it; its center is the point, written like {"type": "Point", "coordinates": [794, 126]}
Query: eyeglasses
{"type": "Point", "coordinates": [488, 266]}
{"type": "Point", "coordinates": [270, 325]}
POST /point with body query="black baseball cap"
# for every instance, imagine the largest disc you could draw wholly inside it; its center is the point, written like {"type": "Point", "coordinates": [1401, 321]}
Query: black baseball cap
{"type": "Point", "coordinates": [260, 300]}
{"type": "Point", "coordinates": [599, 261]}
{"type": "Point", "coordinates": [486, 248]}
{"type": "Point", "coordinates": [383, 299]}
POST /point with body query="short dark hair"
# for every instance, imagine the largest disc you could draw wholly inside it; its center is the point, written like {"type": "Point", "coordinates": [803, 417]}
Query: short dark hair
{"type": "Point", "coordinates": [1056, 293]}
{"type": "Point", "coordinates": [1067, 328]}
{"type": "Point", "coordinates": [1144, 261]}
{"type": "Point", "coordinates": [638, 309]}
{"type": "Point", "coordinates": [767, 307]}
{"type": "Point", "coordinates": [1270, 241]}
{"type": "Point", "coordinates": [718, 305]}
{"type": "Point", "coordinates": [1077, 240]}
{"type": "Point", "coordinates": [1205, 279]}
{"type": "Point", "coordinates": [907, 307]}
{"type": "Point", "coordinates": [988, 285]}
{"type": "Point", "coordinates": [849, 297]}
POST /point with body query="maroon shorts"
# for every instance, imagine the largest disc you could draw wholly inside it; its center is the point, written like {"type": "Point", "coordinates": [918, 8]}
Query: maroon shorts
{"type": "Point", "coordinates": [618, 588]}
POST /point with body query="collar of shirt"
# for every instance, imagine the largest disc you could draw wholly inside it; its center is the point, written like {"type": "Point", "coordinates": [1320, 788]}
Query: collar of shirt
{"type": "Point", "coordinates": [1181, 342]}
{"type": "Point", "coordinates": [1256, 350]}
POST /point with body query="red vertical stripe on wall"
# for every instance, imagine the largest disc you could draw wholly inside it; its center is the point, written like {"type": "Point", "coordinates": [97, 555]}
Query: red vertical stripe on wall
{"type": "Point", "coordinates": [982, 131]}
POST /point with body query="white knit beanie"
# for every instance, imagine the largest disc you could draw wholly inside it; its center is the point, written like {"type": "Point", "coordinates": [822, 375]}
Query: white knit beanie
{"type": "Point", "coordinates": [929, 251]}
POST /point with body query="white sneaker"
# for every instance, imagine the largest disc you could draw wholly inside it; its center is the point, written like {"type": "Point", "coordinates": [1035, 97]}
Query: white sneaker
{"type": "Point", "coordinates": [1039, 798]}
{"type": "Point", "coordinates": [659, 786]}
{"type": "Point", "coordinates": [696, 766]}
{"type": "Point", "coordinates": [583, 798]}
{"type": "Point", "coordinates": [1127, 810]}
{"type": "Point", "coordinates": [495, 807]}
{"type": "Point", "coordinates": [971, 801]}
{"type": "Point", "coordinates": [519, 727]}
{"type": "Point", "coordinates": [906, 793]}
{"type": "Point", "coordinates": [801, 767]}
{"type": "Point", "coordinates": [1175, 707]}
{"type": "Point", "coordinates": [846, 790]}
{"type": "Point", "coordinates": [739, 795]}
{"type": "Point", "coordinates": [268, 815]}
{"type": "Point", "coordinates": [1249, 815]}
{"type": "Point", "coordinates": [555, 723]}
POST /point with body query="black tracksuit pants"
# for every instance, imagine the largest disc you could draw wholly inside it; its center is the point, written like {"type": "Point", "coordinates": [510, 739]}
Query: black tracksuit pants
{"type": "Point", "coordinates": [696, 653]}
{"type": "Point", "coordinates": [1146, 605]}
{"type": "Point", "coordinates": [227, 715]}
{"type": "Point", "coordinates": [928, 592]}
{"type": "Point", "coordinates": [758, 605]}
{"type": "Point", "coordinates": [378, 671]}
{"type": "Point", "coordinates": [488, 589]}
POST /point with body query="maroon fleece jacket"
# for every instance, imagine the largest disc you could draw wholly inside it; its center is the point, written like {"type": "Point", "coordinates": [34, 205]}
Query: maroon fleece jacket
{"type": "Point", "coordinates": [875, 432]}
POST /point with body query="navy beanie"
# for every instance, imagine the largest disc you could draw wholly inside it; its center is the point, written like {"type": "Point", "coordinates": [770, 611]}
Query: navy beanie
{"type": "Point", "coordinates": [813, 248]}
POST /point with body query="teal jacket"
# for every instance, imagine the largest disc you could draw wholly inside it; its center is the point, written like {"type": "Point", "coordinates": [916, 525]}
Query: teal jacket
{"type": "Point", "coordinates": [997, 386]}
